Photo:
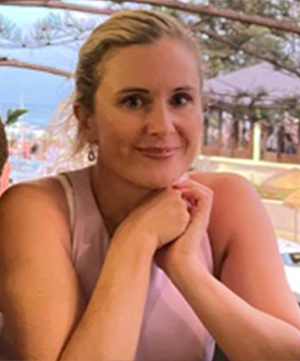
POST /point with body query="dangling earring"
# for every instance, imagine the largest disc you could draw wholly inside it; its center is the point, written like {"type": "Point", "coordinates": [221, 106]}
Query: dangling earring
{"type": "Point", "coordinates": [91, 153]}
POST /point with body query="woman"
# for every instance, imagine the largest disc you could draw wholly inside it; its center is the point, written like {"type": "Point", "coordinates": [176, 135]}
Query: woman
{"type": "Point", "coordinates": [133, 258]}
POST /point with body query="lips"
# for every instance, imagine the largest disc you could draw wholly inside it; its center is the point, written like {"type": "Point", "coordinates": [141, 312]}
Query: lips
{"type": "Point", "coordinates": [158, 152]}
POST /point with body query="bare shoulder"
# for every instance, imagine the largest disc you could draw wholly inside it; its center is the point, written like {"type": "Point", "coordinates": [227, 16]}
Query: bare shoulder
{"type": "Point", "coordinates": [236, 208]}
{"type": "Point", "coordinates": [220, 182]}
{"type": "Point", "coordinates": [47, 188]}
{"type": "Point", "coordinates": [36, 268]}
{"type": "Point", "coordinates": [244, 247]}
{"type": "Point", "coordinates": [231, 192]}
{"type": "Point", "coordinates": [35, 203]}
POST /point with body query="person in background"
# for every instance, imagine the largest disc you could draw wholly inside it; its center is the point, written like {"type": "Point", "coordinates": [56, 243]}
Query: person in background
{"type": "Point", "coordinates": [4, 165]}
{"type": "Point", "coordinates": [134, 257]}
{"type": "Point", "coordinates": [289, 145]}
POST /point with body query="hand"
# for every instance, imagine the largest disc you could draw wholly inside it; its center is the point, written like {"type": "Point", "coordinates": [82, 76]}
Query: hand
{"type": "Point", "coordinates": [186, 248]}
{"type": "Point", "coordinates": [160, 218]}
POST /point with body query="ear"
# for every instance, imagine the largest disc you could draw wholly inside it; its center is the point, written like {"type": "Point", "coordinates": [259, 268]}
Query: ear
{"type": "Point", "coordinates": [86, 122]}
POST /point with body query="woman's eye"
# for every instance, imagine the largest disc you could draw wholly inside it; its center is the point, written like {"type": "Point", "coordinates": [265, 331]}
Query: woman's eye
{"type": "Point", "coordinates": [181, 99]}
{"type": "Point", "coordinates": [132, 102]}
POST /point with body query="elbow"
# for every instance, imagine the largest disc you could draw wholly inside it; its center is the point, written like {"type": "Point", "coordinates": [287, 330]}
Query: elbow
{"type": "Point", "coordinates": [279, 348]}
{"type": "Point", "coordinates": [295, 349]}
{"type": "Point", "coordinates": [289, 350]}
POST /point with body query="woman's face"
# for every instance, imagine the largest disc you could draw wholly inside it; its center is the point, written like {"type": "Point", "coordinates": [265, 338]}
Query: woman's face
{"type": "Point", "coordinates": [148, 114]}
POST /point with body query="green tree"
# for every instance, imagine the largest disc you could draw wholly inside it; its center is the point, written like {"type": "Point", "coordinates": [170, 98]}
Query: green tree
{"type": "Point", "coordinates": [14, 115]}
{"type": "Point", "coordinates": [232, 33]}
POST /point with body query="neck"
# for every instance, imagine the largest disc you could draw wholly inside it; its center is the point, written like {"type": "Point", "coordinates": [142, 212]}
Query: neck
{"type": "Point", "coordinates": [115, 197]}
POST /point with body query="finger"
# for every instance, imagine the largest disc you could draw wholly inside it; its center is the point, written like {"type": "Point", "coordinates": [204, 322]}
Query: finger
{"type": "Point", "coordinates": [182, 179]}
{"type": "Point", "coordinates": [198, 201]}
{"type": "Point", "coordinates": [196, 192]}
{"type": "Point", "coordinates": [190, 183]}
{"type": "Point", "coordinates": [190, 203]}
{"type": "Point", "coordinates": [185, 183]}
{"type": "Point", "coordinates": [196, 195]}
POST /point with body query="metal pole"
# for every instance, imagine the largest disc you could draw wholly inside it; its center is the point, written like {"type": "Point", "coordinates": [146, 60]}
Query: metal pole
{"type": "Point", "coordinates": [256, 152]}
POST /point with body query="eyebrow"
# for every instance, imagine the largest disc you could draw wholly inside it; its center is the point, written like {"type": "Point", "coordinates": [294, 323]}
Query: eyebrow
{"type": "Point", "coordinates": [185, 88]}
{"type": "Point", "coordinates": [142, 90]}
{"type": "Point", "coordinates": [132, 90]}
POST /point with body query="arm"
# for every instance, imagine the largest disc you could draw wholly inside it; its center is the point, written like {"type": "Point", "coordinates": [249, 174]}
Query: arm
{"type": "Point", "coordinates": [110, 327]}
{"type": "Point", "coordinates": [40, 296]}
{"type": "Point", "coordinates": [250, 311]}
{"type": "Point", "coordinates": [242, 331]}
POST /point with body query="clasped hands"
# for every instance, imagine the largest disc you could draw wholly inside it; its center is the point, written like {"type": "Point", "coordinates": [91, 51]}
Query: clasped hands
{"type": "Point", "coordinates": [174, 220]}
{"type": "Point", "coordinates": [186, 247]}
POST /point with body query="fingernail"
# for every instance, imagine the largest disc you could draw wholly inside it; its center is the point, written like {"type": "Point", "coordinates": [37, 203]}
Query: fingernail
{"type": "Point", "coordinates": [182, 179]}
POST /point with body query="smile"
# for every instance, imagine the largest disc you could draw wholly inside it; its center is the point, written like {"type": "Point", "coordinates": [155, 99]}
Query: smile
{"type": "Point", "coordinates": [158, 152]}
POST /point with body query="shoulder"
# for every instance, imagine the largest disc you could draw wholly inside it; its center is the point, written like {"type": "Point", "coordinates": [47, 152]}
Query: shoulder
{"type": "Point", "coordinates": [220, 182]}
{"type": "Point", "coordinates": [234, 197]}
{"type": "Point", "coordinates": [237, 212]}
{"type": "Point", "coordinates": [245, 251]}
{"type": "Point", "coordinates": [231, 191]}
{"type": "Point", "coordinates": [44, 192]}
{"type": "Point", "coordinates": [38, 204]}
{"type": "Point", "coordinates": [38, 280]}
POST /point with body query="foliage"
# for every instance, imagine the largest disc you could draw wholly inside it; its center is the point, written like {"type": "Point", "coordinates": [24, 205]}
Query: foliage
{"type": "Point", "coordinates": [9, 32]}
{"type": "Point", "coordinates": [14, 115]}
{"type": "Point", "coordinates": [235, 44]}
{"type": "Point", "coordinates": [226, 44]}
{"type": "Point", "coordinates": [54, 29]}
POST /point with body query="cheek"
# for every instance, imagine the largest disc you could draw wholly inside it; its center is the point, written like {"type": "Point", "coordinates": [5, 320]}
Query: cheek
{"type": "Point", "coordinates": [192, 134]}
{"type": "Point", "coordinates": [115, 138]}
{"type": "Point", "coordinates": [192, 129]}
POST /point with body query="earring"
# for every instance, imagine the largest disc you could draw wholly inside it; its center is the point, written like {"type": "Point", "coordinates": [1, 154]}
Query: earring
{"type": "Point", "coordinates": [91, 153]}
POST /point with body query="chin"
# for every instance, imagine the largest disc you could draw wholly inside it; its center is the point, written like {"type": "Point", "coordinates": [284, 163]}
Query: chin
{"type": "Point", "coordinates": [158, 180]}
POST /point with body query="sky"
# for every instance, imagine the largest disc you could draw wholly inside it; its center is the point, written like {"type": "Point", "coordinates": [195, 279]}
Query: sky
{"type": "Point", "coordinates": [39, 92]}
{"type": "Point", "coordinates": [27, 15]}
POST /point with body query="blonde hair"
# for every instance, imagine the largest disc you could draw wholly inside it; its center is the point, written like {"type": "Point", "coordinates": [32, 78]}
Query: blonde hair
{"type": "Point", "coordinates": [125, 28]}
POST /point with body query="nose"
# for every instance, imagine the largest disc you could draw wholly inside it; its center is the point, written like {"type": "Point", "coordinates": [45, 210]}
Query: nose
{"type": "Point", "coordinates": [160, 120]}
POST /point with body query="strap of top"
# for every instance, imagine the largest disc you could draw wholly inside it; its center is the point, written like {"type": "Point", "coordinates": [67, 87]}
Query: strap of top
{"type": "Point", "coordinates": [70, 196]}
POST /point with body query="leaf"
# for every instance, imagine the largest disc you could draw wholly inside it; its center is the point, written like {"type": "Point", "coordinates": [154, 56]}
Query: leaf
{"type": "Point", "coordinates": [13, 115]}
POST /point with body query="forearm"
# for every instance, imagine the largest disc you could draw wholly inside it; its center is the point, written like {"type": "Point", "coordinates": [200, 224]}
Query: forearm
{"type": "Point", "coordinates": [110, 327]}
{"type": "Point", "coordinates": [242, 331]}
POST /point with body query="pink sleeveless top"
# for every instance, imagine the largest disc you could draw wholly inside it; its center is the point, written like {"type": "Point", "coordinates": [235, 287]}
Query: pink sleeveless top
{"type": "Point", "coordinates": [170, 329]}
